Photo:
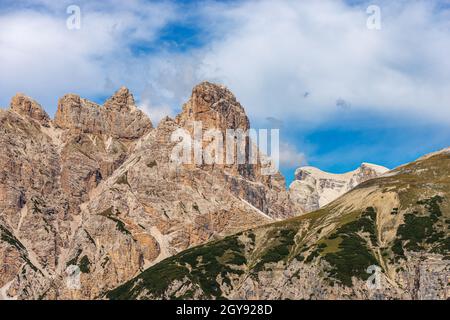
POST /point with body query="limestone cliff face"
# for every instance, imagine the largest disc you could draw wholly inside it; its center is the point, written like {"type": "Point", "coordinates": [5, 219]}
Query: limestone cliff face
{"type": "Point", "coordinates": [48, 168]}
{"type": "Point", "coordinates": [96, 188]}
{"type": "Point", "coordinates": [314, 188]}
{"type": "Point", "coordinates": [33, 216]}
{"type": "Point", "coordinates": [118, 118]}
{"type": "Point", "coordinates": [215, 107]}
{"type": "Point", "coordinates": [27, 107]}
{"type": "Point", "coordinates": [95, 140]}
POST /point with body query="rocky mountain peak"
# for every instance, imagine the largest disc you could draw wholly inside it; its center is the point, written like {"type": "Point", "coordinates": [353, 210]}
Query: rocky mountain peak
{"type": "Point", "coordinates": [121, 99]}
{"type": "Point", "coordinates": [314, 188]}
{"type": "Point", "coordinates": [28, 107]}
{"type": "Point", "coordinates": [118, 117]}
{"type": "Point", "coordinates": [215, 106]}
{"type": "Point", "coordinates": [99, 190]}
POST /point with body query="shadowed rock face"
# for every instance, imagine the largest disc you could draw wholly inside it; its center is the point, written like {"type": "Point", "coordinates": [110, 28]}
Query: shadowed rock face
{"type": "Point", "coordinates": [96, 188]}
{"type": "Point", "coordinates": [215, 107]}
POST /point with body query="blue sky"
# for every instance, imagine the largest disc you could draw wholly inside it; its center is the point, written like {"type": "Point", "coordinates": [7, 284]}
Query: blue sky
{"type": "Point", "coordinates": [340, 92]}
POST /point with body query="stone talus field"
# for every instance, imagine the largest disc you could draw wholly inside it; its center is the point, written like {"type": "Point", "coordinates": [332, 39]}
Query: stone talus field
{"type": "Point", "coordinates": [96, 188]}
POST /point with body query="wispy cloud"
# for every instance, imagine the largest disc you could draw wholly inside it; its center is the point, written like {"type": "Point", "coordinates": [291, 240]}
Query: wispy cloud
{"type": "Point", "coordinates": [271, 53]}
{"type": "Point", "coordinates": [156, 112]}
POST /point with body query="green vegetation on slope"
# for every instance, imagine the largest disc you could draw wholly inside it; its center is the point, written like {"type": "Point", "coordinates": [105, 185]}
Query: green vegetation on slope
{"type": "Point", "coordinates": [120, 225]}
{"type": "Point", "coordinates": [423, 232]}
{"type": "Point", "coordinates": [8, 237]}
{"type": "Point", "coordinates": [84, 263]}
{"type": "Point", "coordinates": [284, 239]}
{"type": "Point", "coordinates": [350, 255]}
{"type": "Point", "coordinates": [200, 265]}
{"type": "Point", "coordinates": [349, 248]}
{"type": "Point", "coordinates": [123, 179]}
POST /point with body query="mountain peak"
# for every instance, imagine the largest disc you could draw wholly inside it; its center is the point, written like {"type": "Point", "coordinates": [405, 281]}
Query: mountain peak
{"type": "Point", "coordinates": [121, 99]}
{"type": "Point", "coordinates": [212, 92]}
{"type": "Point", "coordinates": [28, 107]}
{"type": "Point", "coordinates": [215, 106]}
{"type": "Point", "coordinates": [119, 117]}
{"type": "Point", "coordinates": [373, 166]}
{"type": "Point", "coordinates": [314, 188]}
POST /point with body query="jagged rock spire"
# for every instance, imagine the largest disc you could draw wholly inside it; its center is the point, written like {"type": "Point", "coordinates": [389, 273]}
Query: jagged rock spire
{"type": "Point", "coordinates": [215, 106]}
{"type": "Point", "coordinates": [118, 117]}
{"type": "Point", "coordinates": [122, 98]}
{"type": "Point", "coordinates": [28, 107]}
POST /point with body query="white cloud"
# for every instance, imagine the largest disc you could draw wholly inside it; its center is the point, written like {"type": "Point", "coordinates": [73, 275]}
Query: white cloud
{"type": "Point", "coordinates": [271, 53]}
{"type": "Point", "coordinates": [156, 113]}
{"type": "Point", "coordinates": [169, 81]}
{"type": "Point", "coordinates": [291, 60]}
{"type": "Point", "coordinates": [40, 56]}
{"type": "Point", "coordinates": [290, 157]}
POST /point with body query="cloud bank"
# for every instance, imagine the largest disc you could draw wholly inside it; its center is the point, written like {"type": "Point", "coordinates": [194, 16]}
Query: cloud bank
{"type": "Point", "coordinates": [41, 56]}
{"type": "Point", "coordinates": [287, 59]}
{"type": "Point", "coordinates": [308, 59]}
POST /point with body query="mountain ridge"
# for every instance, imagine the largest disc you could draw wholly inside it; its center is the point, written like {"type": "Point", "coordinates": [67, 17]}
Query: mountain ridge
{"type": "Point", "coordinates": [95, 191]}
{"type": "Point", "coordinates": [95, 188]}
{"type": "Point", "coordinates": [314, 188]}
{"type": "Point", "coordinates": [397, 224]}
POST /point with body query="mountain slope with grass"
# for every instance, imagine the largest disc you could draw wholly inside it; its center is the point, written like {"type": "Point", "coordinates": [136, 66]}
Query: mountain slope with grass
{"type": "Point", "coordinates": [386, 239]}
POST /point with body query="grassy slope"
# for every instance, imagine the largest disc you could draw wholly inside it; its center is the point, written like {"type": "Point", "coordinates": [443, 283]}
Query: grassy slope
{"type": "Point", "coordinates": [345, 235]}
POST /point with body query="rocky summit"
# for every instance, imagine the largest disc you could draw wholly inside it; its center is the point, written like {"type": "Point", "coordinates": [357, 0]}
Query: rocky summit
{"type": "Point", "coordinates": [95, 191]}
{"type": "Point", "coordinates": [314, 188]}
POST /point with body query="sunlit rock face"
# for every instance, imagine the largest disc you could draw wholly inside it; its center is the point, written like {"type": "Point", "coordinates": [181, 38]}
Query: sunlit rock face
{"type": "Point", "coordinates": [314, 188]}
{"type": "Point", "coordinates": [96, 190]}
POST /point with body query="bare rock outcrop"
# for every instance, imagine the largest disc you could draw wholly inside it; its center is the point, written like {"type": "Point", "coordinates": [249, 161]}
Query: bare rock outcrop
{"type": "Point", "coordinates": [96, 190]}
{"type": "Point", "coordinates": [118, 118]}
{"type": "Point", "coordinates": [47, 170]}
{"type": "Point", "coordinates": [215, 107]}
{"type": "Point", "coordinates": [314, 188]}
{"type": "Point", "coordinates": [28, 107]}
